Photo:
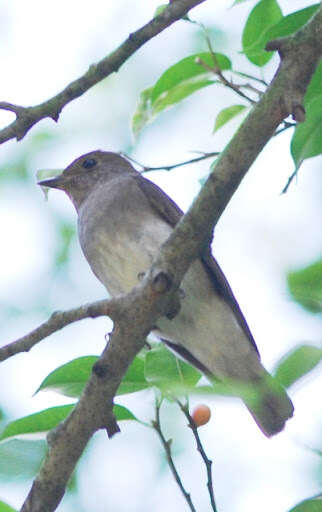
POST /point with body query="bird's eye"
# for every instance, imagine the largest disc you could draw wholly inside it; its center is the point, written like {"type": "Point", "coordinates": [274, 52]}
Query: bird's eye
{"type": "Point", "coordinates": [89, 163]}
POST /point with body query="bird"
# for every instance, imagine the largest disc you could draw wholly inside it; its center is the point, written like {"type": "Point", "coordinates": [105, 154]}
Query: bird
{"type": "Point", "coordinates": [123, 218]}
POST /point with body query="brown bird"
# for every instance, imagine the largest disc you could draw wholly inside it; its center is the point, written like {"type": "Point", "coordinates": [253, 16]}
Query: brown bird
{"type": "Point", "coordinates": [123, 219]}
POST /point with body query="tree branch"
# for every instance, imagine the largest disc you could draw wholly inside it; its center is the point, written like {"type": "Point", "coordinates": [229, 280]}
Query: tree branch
{"type": "Point", "coordinates": [300, 54]}
{"type": "Point", "coordinates": [27, 117]}
{"type": "Point", "coordinates": [146, 168]}
{"type": "Point", "coordinates": [57, 321]}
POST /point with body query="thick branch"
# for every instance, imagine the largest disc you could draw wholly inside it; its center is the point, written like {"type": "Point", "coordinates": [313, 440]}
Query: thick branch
{"type": "Point", "coordinates": [146, 303]}
{"type": "Point", "coordinates": [301, 55]}
{"type": "Point", "coordinates": [27, 117]}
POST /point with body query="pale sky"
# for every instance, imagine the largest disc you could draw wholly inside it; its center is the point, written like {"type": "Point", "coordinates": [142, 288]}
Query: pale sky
{"type": "Point", "coordinates": [261, 236]}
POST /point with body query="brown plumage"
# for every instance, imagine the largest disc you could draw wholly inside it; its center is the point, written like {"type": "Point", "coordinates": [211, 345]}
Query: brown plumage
{"type": "Point", "coordinates": [122, 220]}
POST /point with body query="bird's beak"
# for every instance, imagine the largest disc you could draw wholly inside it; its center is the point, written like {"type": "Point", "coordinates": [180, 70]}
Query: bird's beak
{"type": "Point", "coordinates": [56, 182]}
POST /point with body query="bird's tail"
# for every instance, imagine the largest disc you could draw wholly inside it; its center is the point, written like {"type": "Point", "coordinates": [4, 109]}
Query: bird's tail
{"type": "Point", "coordinates": [269, 404]}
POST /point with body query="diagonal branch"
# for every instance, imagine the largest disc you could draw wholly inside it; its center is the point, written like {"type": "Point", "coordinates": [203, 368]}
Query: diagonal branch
{"type": "Point", "coordinates": [141, 308]}
{"type": "Point", "coordinates": [57, 321]}
{"type": "Point", "coordinates": [27, 117]}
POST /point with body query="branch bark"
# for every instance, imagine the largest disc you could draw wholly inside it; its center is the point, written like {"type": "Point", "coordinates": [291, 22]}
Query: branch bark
{"type": "Point", "coordinates": [27, 117]}
{"type": "Point", "coordinates": [59, 320]}
{"type": "Point", "coordinates": [300, 55]}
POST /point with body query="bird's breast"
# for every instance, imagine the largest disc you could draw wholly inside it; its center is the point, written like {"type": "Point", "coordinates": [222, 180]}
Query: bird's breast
{"type": "Point", "coordinates": [121, 248]}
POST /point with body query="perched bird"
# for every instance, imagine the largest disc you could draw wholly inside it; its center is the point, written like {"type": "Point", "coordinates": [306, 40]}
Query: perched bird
{"type": "Point", "coordinates": [123, 218]}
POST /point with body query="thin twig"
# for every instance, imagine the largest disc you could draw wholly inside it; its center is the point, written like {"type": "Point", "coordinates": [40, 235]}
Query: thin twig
{"type": "Point", "coordinates": [208, 462]}
{"type": "Point", "coordinates": [156, 424]}
{"type": "Point", "coordinates": [146, 168]}
{"type": "Point", "coordinates": [289, 181]}
{"type": "Point", "coordinates": [217, 71]}
{"type": "Point", "coordinates": [251, 77]}
{"type": "Point", "coordinates": [286, 126]}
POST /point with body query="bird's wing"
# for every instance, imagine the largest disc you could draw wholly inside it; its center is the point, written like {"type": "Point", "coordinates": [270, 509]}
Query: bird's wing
{"type": "Point", "coordinates": [160, 201]}
{"type": "Point", "coordinates": [171, 212]}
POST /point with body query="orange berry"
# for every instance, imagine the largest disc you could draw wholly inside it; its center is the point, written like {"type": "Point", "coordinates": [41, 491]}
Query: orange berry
{"type": "Point", "coordinates": [201, 415]}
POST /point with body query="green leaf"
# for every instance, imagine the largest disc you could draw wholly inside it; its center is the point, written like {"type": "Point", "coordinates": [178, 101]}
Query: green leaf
{"type": "Point", "coordinates": [297, 363]}
{"type": "Point", "coordinates": [263, 16]}
{"type": "Point", "coordinates": [307, 140]}
{"type": "Point", "coordinates": [70, 378]}
{"type": "Point", "coordinates": [176, 83]}
{"type": "Point", "coordinates": [186, 69]}
{"type": "Point", "coordinates": [143, 113]}
{"type": "Point", "coordinates": [314, 88]}
{"type": "Point", "coordinates": [4, 507]}
{"type": "Point", "coordinates": [227, 114]}
{"type": "Point", "coordinates": [36, 425]}
{"type": "Point", "coordinates": [160, 9]}
{"type": "Point", "coordinates": [20, 459]}
{"type": "Point", "coordinates": [134, 379]}
{"type": "Point", "coordinates": [179, 92]}
{"type": "Point", "coordinates": [236, 2]}
{"type": "Point", "coordinates": [165, 371]}
{"type": "Point", "coordinates": [122, 413]}
{"type": "Point", "coordinates": [43, 174]}
{"type": "Point", "coordinates": [66, 236]}
{"type": "Point", "coordinates": [311, 505]}
{"type": "Point", "coordinates": [291, 23]}
{"type": "Point", "coordinates": [305, 286]}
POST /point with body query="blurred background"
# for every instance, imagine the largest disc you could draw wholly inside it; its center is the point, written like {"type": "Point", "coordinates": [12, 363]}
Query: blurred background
{"type": "Point", "coordinates": [261, 236]}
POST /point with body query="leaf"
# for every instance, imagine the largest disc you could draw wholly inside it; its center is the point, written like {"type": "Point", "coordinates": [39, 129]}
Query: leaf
{"type": "Point", "coordinates": [263, 16]}
{"type": "Point", "coordinates": [311, 505]}
{"type": "Point", "coordinates": [4, 507]}
{"type": "Point", "coordinates": [314, 88]}
{"type": "Point", "coordinates": [143, 113]}
{"type": "Point", "coordinates": [292, 22]}
{"type": "Point", "coordinates": [122, 413]}
{"type": "Point", "coordinates": [186, 69]}
{"type": "Point", "coordinates": [164, 370]}
{"type": "Point", "coordinates": [20, 459]}
{"type": "Point", "coordinates": [236, 2]}
{"type": "Point", "coordinates": [67, 233]}
{"type": "Point", "coordinates": [134, 379]}
{"type": "Point", "coordinates": [70, 378]}
{"type": "Point", "coordinates": [297, 363]}
{"type": "Point", "coordinates": [305, 286]}
{"type": "Point", "coordinates": [307, 140]}
{"type": "Point", "coordinates": [176, 83]}
{"type": "Point", "coordinates": [36, 425]}
{"type": "Point", "coordinates": [226, 114]}
{"type": "Point", "coordinates": [160, 9]}
{"type": "Point", "coordinates": [178, 93]}
{"type": "Point", "coordinates": [43, 174]}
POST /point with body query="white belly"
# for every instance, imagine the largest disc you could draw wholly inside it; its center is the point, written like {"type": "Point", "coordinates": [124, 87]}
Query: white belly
{"type": "Point", "coordinates": [205, 325]}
